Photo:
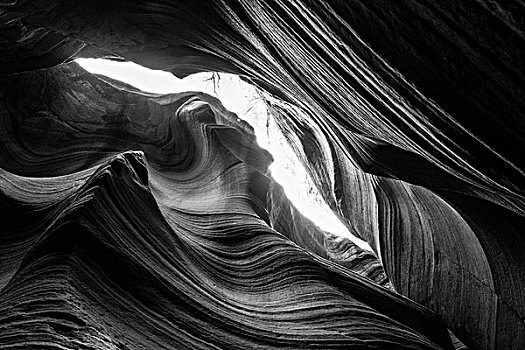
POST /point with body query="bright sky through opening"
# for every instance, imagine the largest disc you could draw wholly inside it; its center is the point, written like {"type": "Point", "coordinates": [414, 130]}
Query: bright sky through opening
{"type": "Point", "coordinates": [242, 99]}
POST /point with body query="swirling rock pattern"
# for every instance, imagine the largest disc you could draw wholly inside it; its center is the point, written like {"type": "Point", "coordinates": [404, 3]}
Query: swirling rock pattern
{"type": "Point", "coordinates": [173, 249]}
{"type": "Point", "coordinates": [407, 114]}
{"type": "Point", "coordinates": [285, 218]}
{"type": "Point", "coordinates": [431, 246]}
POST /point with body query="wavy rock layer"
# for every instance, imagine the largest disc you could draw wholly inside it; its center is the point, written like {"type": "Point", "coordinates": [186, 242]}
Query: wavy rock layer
{"type": "Point", "coordinates": [173, 249]}
{"type": "Point", "coordinates": [432, 247]}
{"type": "Point", "coordinates": [285, 218]}
{"type": "Point", "coordinates": [407, 114]}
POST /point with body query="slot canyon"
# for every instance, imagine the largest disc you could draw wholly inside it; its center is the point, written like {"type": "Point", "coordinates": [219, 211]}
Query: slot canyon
{"type": "Point", "coordinates": [140, 220]}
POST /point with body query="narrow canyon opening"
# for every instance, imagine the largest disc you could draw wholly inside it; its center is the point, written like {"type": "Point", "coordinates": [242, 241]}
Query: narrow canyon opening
{"type": "Point", "coordinates": [250, 105]}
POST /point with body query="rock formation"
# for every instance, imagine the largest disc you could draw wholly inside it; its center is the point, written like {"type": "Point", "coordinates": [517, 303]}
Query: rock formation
{"type": "Point", "coordinates": [134, 220]}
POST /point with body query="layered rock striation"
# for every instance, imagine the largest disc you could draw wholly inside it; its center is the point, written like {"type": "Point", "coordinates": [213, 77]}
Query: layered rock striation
{"type": "Point", "coordinates": [134, 220]}
{"type": "Point", "coordinates": [170, 247]}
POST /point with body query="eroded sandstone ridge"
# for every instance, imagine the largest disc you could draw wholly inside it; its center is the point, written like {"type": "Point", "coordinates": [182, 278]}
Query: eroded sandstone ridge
{"type": "Point", "coordinates": [133, 220]}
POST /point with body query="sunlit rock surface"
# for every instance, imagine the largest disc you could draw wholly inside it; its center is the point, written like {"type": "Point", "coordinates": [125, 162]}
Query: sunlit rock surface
{"type": "Point", "coordinates": [408, 116]}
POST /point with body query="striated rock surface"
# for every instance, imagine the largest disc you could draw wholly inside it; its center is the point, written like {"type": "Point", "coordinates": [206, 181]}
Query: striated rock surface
{"type": "Point", "coordinates": [285, 218]}
{"type": "Point", "coordinates": [408, 116]}
{"type": "Point", "coordinates": [433, 243]}
{"type": "Point", "coordinates": [171, 249]}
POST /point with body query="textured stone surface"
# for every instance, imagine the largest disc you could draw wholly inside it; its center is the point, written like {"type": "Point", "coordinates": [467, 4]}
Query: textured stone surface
{"type": "Point", "coordinates": [169, 249]}
{"type": "Point", "coordinates": [408, 115]}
